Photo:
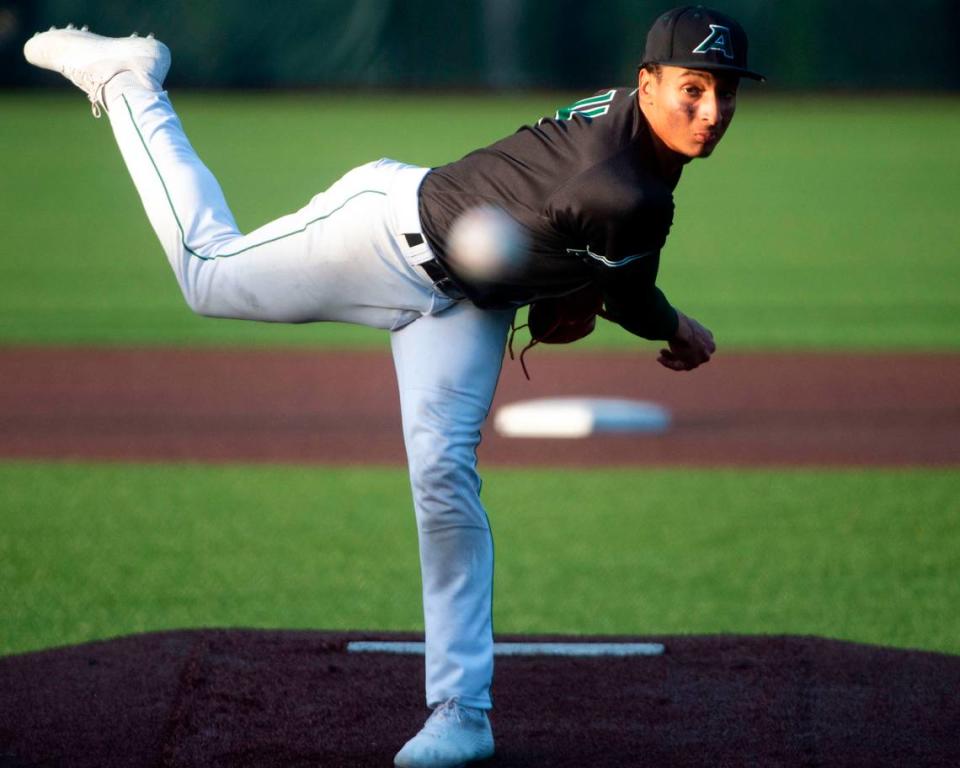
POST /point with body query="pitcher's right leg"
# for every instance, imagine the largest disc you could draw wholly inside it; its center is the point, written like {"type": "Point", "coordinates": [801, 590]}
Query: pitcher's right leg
{"type": "Point", "coordinates": [447, 370]}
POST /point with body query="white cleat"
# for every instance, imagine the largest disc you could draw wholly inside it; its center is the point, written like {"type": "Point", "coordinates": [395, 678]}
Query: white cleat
{"type": "Point", "coordinates": [89, 61]}
{"type": "Point", "coordinates": [453, 736]}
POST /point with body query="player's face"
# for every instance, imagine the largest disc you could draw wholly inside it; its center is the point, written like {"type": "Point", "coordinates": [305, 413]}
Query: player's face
{"type": "Point", "coordinates": [688, 109]}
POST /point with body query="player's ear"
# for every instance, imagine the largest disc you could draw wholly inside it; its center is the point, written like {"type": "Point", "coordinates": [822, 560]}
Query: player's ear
{"type": "Point", "coordinates": [645, 84]}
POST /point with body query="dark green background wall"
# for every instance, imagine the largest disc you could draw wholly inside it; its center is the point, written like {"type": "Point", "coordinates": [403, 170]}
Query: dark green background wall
{"type": "Point", "coordinates": [800, 44]}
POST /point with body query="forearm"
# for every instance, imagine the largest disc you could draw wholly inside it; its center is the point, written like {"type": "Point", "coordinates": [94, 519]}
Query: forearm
{"type": "Point", "coordinates": [650, 316]}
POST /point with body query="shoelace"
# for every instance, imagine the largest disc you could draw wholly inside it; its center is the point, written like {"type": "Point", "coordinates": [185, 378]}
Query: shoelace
{"type": "Point", "coordinates": [82, 79]}
{"type": "Point", "coordinates": [93, 88]}
{"type": "Point", "coordinates": [449, 710]}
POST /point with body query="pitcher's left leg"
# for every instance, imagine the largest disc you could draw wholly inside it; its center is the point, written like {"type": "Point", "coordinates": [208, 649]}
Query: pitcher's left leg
{"type": "Point", "coordinates": [447, 370]}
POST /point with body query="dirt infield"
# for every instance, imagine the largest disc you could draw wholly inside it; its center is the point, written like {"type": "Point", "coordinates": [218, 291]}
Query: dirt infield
{"type": "Point", "coordinates": [302, 406]}
{"type": "Point", "coordinates": [203, 699]}
{"type": "Point", "coordinates": [256, 698]}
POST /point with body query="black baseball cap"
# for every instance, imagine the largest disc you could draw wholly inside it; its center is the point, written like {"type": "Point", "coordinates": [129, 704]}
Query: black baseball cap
{"type": "Point", "coordinates": [699, 38]}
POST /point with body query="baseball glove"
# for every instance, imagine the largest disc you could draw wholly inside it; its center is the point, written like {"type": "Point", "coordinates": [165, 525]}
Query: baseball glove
{"type": "Point", "coordinates": [560, 320]}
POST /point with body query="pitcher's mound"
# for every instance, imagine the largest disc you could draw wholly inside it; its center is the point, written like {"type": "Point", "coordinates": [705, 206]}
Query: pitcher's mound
{"type": "Point", "coordinates": [208, 698]}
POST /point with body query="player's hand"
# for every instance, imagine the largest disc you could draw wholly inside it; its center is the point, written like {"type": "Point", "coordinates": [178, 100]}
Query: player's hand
{"type": "Point", "coordinates": [691, 346]}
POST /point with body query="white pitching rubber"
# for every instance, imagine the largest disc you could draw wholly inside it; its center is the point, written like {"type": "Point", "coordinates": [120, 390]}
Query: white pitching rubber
{"type": "Point", "coordinates": [568, 649]}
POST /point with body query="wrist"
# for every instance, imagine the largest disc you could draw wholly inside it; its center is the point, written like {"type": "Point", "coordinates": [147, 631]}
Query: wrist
{"type": "Point", "coordinates": [682, 331]}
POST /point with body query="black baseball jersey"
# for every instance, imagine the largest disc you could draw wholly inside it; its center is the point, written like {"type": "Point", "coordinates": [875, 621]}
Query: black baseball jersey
{"type": "Point", "coordinates": [588, 189]}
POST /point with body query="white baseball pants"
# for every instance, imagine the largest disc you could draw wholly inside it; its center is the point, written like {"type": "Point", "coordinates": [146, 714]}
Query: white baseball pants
{"type": "Point", "coordinates": [343, 258]}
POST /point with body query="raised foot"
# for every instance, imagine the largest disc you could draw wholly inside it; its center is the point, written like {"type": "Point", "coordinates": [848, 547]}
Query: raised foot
{"type": "Point", "coordinates": [90, 61]}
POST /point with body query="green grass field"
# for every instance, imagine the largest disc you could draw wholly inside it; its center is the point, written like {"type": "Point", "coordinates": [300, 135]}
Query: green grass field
{"type": "Point", "coordinates": [819, 224]}
{"type": "Point", "coordinates": [90, 551]}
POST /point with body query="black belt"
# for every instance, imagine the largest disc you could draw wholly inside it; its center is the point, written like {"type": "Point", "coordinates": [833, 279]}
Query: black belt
{"type": "Point", "coordinates": [434, 270]}
{"type": "Point", "coordinates": [441, 280]}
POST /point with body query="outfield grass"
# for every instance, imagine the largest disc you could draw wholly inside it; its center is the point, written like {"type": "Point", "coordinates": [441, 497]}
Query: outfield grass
{"type": "Point", "coordinates": [90, 551]}
{"type": "Point", "coordinates": [819, 223]}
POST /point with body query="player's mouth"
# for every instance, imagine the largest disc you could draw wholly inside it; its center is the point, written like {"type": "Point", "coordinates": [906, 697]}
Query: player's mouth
{"type": "Point", "coordinates": [705, 142]}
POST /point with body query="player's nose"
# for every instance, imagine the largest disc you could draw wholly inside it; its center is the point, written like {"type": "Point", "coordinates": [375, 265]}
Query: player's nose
{"type": "Point", "coordinates": [709, 108]}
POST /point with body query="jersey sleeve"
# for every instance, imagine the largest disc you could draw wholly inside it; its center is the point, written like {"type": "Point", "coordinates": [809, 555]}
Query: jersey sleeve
{"type": "Point", "coordinates": [626, 271]}
{"type": "Point", "coordinates": [632, 299]}
{"type": "Point", "coordinates": [622, 226]}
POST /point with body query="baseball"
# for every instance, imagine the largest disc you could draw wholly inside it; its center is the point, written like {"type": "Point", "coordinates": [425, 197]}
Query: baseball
{"type": "Point", "coordinates": [487, 244]}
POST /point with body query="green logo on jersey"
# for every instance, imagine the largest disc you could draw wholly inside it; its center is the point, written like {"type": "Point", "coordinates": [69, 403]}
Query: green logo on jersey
{"type": "Point", "coordinates": [594, 106]}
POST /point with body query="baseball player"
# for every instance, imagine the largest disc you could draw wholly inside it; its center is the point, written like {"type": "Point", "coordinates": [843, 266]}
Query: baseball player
{"type": "Point", "coordinates": [592, 190]}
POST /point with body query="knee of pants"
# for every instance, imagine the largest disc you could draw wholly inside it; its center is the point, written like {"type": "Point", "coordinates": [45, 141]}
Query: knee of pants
{"type": "Point", "coordinates": [209, 293]}
{"type": "Point", "coordinates": [197, 304]}
{"type": "Point", "coordinates": [194, 278]}
{"type": "Point", "coordinates": [446, 486]}
{"type": "Point", "coordinates": [209, 306]}
{"type": "Point", "coordinates": [204, 306]}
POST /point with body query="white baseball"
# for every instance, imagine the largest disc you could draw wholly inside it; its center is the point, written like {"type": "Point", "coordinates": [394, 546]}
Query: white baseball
{"type": "Point", "coordinates": [486, 243]}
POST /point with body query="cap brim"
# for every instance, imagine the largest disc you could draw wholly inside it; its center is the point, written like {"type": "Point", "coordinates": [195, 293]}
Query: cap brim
{"type": "Point", "coordinates": [709, 66]}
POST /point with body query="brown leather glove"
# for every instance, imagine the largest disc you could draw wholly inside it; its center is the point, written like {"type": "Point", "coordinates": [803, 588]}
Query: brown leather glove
{"type": "Point", "coordinates": [565, 319]}
{"type": "Point", "coordinates": [561, 320]}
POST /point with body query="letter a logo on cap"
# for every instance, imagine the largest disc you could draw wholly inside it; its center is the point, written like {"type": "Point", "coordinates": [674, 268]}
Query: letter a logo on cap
{"type": "Point", "coordinates": [717, 40]}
